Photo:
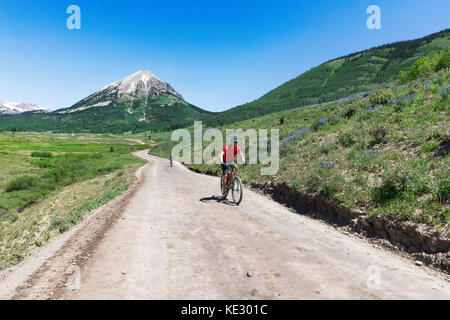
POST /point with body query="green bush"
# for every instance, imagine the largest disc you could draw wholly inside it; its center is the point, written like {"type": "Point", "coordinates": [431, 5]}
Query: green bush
{"type": "Point", "coordinates": [332, 185]}
{"type": "Point", "coordinates": [313, 183]}
{"type": "Point", "coordinates": [444, 190]}
{"type": "Point", "coordinates": [378, 134]}
{"type": "Point", "coordinates": [349, 112]}
{"type": "Point", "coordinates": [346, 140]}
{"type": "Point", "coordinates": [317, 123]}
{"type": "Point", "coordinates": [392, 187]}
{"type": "Point", "coordinates": [326, 149]}
{"type": "Point", "coordinates": [429, 146]}
{"type": "Point", "coordinates": [42, 155]}
{"type": "Point", "coordinates": [421, 67]}
{"type": "Point", "coordinates": [380, 97]}
{"type": "Point", "coordinates": [441, 60]}
{"type": "Point", "coordinates": [417, 182]}
{"type": "Point", "coordinates": [426, 65]}
{"type": "Point", "coordinates": [22, 183]}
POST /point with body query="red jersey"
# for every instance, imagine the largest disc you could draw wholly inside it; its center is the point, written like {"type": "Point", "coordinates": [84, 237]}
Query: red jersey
{"type": "Point", "coordinates": [229, 156]}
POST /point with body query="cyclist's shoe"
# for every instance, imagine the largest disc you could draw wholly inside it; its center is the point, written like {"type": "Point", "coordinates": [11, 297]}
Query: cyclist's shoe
{"type": "Point", "coordinates": [225, 194]}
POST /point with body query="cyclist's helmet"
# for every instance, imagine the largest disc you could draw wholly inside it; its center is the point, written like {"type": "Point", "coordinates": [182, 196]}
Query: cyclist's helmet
{"type": "Point", "coordinates": [235, 139]}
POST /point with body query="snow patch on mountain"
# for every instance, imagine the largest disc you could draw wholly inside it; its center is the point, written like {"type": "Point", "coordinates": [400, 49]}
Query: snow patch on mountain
{"type": "Point", "coordinates": [100, 104]}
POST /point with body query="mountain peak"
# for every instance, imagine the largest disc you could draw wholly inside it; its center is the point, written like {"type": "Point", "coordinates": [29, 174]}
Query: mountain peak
{"type": "Point", "coordinates": [143, 81]}
{"type": "Point", "coordinates": [141, 75]}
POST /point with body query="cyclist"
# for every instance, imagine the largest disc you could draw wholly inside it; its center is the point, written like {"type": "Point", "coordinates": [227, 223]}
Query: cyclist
{"type": "Point", "coordinates": [227, 158]}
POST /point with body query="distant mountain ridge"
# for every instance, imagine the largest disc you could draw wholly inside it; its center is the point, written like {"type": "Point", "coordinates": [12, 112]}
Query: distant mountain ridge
{"type": "Point", "coordinates": [8, 107]}
{"type": "Point", "coordinates": [339, 78]}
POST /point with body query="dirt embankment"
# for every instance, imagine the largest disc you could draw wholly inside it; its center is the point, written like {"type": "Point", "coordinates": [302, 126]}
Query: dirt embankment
{"type": "Point", "coordinates": [420, 242]}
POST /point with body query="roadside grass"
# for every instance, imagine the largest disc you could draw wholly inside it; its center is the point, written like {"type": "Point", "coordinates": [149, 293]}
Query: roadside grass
{"type": "Point", "coordinates": [28, 176]}
{"type": "Point", "coordinates": [21, 233]}
{"type": "Point", "coordinates": [37, 171]}
{"type": "Point", "coordinates": [384, 152]}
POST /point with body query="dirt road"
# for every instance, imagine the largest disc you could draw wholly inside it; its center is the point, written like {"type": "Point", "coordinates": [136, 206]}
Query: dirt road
{"type": "Point", "coordinates": [173, 239]}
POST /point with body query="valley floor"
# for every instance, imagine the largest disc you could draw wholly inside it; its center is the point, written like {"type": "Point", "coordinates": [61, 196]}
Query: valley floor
{"type": "Point", "coordinates": [169, 237]}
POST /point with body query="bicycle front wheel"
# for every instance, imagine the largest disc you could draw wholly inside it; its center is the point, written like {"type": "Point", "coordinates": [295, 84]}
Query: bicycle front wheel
{"type": "Point", "coordinates": [237, 190]}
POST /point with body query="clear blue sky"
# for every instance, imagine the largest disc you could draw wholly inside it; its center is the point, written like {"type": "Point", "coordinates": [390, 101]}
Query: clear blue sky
{"type": "Point", "coordinates": [217, 54]}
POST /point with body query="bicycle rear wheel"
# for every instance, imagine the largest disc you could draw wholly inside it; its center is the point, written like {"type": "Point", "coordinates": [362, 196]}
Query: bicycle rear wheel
{"type": "Point", "coordinates": [236, 190]}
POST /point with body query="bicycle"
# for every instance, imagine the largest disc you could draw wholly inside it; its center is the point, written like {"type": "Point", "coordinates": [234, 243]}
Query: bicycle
{"type": "Point", "coordinates": [233, 181]}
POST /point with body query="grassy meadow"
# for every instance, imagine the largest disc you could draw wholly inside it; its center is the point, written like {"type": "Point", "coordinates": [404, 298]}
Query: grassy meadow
{"type": "Point", "coordinates": [49, 181]}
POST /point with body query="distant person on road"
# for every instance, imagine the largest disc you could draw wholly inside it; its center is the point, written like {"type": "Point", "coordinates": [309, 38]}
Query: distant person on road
{"type": "Point", "coordinates": [171, 160]}
{"type": "Point", "coordinates": [228, 156]}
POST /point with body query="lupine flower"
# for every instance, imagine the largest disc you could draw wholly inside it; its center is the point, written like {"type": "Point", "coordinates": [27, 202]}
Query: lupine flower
{"type": "Point", "coordinates": [406, 98]}
{"type": "Point", "coordinates": [296, 134]}
{"type": "Point", "coordinates": [375, 107]}
{"type": "Point", "coordinates": [338, 100]}
{"type": "Point", "coordinates": [328, 165]}
{"type": "Point", "coordinates": [405, 176]}
{"type": "Point", "coordinates": [369, 154]}
{"type": "Point", "coordinates": [445, 91]}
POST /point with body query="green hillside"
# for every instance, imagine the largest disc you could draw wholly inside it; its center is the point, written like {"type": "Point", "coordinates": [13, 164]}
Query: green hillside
{"type": "Point", "coordinates": [339, 78]}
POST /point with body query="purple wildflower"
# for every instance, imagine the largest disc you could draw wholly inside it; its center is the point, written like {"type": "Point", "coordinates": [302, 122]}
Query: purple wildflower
{"type": "Point", "coordinates": [406, 98]}
{"type": "Point", "coordinates": [328, 165]}
{"type": "Point", "coordinates": [369, 154]}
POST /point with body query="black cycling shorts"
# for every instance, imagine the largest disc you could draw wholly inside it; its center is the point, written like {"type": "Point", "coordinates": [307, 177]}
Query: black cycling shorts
{"type": "Point", "coordinates": [225, 167]}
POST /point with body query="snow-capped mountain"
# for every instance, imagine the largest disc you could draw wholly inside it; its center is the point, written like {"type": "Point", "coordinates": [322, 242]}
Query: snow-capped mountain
{"type": "Point", "coordinates": [141, 82]}
{"type": "Point", "coordinates": [7, 107]}
{"type": "Point", "coordinates": [139, 102]}
{"type": "Point", "coordinates": [138, 85]}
